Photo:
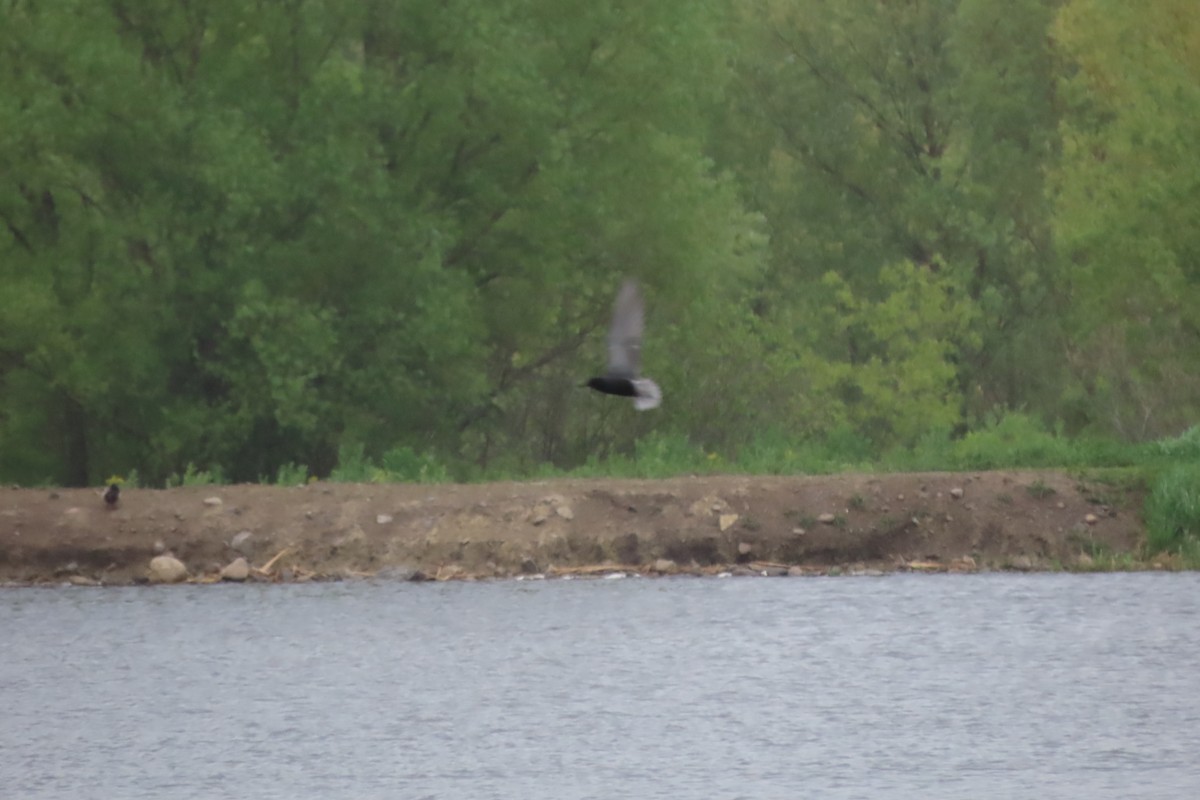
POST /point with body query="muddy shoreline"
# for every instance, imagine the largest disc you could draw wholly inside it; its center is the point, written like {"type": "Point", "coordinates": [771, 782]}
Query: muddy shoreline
{"type": "Point", "coordinates": [741, 525]}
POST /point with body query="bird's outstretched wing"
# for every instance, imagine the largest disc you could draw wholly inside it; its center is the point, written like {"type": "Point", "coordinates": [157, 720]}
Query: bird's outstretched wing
{"type": "Point", "coordinates": [625, 334]}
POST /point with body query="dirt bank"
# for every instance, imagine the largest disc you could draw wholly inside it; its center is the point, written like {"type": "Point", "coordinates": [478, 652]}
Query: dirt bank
{"type": "Point", "coordinates": [930, 521]}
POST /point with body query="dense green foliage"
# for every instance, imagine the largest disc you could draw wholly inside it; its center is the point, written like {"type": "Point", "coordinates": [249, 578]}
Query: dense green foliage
{"type": "Point", "coordinates": [1173, 511]}
{"type": "Point", "coordinates": [380, 238]}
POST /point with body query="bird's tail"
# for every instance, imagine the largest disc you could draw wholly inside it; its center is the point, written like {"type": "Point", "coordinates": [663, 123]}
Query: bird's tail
{"type": "Point", "coordinates": [648, 394]}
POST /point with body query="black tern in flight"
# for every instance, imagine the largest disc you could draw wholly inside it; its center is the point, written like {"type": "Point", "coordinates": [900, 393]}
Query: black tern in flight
{"type": "Point", "coordinates": [625, 353]}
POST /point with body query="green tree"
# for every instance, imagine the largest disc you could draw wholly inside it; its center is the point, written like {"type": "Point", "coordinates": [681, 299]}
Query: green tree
{"type": "Point", "coordinates": [1125, 199]}
{"type": "Point", "coordinates": [246, 236]}
{"type": "Point", "coordinates": [871, 135]}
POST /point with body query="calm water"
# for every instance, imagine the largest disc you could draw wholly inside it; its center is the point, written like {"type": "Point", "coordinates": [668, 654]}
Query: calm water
{"type": "Point", "coordinates": [991, 686]}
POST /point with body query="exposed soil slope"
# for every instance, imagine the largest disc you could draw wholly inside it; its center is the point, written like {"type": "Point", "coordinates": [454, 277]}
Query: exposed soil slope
{"type": "Point", "coordinates": [700, 524]}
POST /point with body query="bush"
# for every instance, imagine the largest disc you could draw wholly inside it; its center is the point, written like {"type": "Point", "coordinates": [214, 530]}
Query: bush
{"type": "Point", "coordinates": [1012, 440]}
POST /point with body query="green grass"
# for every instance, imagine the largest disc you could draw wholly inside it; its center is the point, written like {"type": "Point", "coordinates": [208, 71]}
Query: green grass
{"type": "Point", "coordinates": [1014, 441]}
{"type": "Point", "coordinates": [398, 465]}
{"type": "Point", "coordinates": [1173, 512]}
{"type": "Point", "coordinates": [290, 475]}
{"type": "Point", "coordinates": [197, 477]}
{"type": "Point", "coordinates": [1011, 441]}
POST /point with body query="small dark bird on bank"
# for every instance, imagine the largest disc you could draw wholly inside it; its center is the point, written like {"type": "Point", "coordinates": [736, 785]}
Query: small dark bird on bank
{"type": "Point", "coordinates": [625, 353]}
{"type": "Point", "coordinates": [112, 495]}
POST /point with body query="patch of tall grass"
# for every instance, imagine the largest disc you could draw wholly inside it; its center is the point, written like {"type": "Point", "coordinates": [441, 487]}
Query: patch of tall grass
{"type": "Point", "coordinates": [290, 474]}
{"type": "Point", "coordinates": [192, 476]}
{"type": "Point", "coordinates": [1173, 511]}
{"type": "Point", "coordinates": [1170, 467]}
{"type": "Point", "coordinates": [1012, 441]}
{"type": "Point", "coordinates": [398, 465]}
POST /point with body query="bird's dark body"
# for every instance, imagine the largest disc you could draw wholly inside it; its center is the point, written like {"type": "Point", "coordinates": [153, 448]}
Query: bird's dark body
{"type": "Point", "coordinates": [112, 494]}
{"type": "Point", "coordinates": [623, 377]}
{"type": "Point", "coordinates": [622, 387]}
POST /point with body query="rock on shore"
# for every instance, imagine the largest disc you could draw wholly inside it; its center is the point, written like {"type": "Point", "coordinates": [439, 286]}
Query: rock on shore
{"type": "Point", "coordinates": [167, 569]}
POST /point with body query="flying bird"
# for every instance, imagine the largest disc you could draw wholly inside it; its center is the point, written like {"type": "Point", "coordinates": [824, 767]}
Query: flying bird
{"type": "Point", "coordinates": [625, 353]}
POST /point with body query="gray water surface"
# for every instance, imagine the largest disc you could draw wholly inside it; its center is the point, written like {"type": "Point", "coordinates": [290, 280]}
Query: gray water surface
{"type": "Point", "coordinates": [988, 686]}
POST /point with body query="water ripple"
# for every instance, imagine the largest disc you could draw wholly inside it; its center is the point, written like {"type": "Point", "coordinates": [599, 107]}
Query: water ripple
{"type": "Point", "coordinates": [987, 686]}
